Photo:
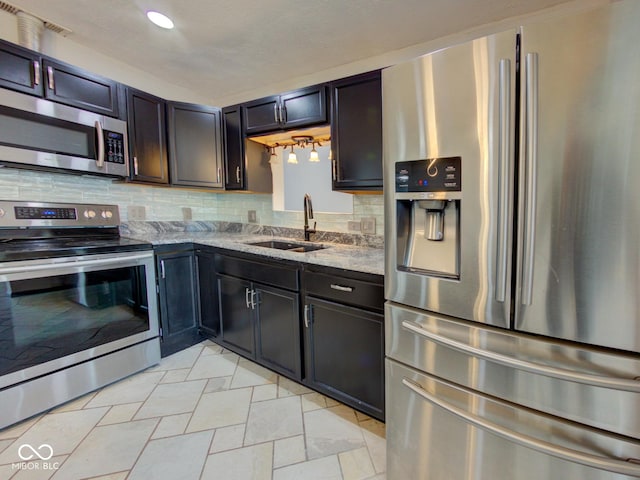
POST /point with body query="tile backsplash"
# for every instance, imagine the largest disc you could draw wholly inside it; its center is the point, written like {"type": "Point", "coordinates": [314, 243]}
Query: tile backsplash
{"type": "Point", "coordinates": [167, 204]}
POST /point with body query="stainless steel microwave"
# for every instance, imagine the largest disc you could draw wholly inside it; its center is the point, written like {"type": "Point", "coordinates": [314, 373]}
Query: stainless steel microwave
{"type": "Point", "coordinates": [38, 133]}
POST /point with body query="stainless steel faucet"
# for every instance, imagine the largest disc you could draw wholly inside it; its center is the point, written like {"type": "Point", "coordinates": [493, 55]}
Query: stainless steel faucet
{"type": "Point", "coordinates": [308, 214]}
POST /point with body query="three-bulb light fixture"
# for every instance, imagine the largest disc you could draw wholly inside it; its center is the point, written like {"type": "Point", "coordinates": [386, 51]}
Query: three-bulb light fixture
{"type": "Point", "coordinates": [301, 141]}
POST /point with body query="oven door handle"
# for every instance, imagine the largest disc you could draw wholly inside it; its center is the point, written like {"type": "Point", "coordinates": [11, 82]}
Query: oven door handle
{"type": "Point", "coordinates": [18, 267]}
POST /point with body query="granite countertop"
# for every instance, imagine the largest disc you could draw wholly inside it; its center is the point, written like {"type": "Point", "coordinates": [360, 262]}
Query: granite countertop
{"type": "Point", "coordinates": [337, 255]}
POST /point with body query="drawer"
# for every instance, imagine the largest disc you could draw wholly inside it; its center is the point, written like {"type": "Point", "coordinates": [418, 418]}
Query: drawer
{"type": "Point", "coordinates": [268, 274]}
{"type": "Point", "coordinates": [517, 368]}
{"type": "Point", "coordinates": [350, 291]}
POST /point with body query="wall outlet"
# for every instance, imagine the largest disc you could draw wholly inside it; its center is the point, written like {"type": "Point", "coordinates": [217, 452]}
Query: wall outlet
{"type": "Point", "coordinates": [368, 225]}
{"type": "Point", "coordinates": [136, 213]}
{"type": "Point", "coordinates": [252, 216]}
{"type": "Point", "coordinates": [187, 214]}
{"type": "Point", "coordinates": [354, 226]}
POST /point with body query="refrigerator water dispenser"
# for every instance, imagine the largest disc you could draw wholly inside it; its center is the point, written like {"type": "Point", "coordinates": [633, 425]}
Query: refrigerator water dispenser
{"type": "Point", "coordinates": [428, 195]}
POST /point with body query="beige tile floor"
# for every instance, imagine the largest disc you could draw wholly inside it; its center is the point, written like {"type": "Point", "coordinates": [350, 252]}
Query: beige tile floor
{"type": "Point", "coordinates": [203, 413]}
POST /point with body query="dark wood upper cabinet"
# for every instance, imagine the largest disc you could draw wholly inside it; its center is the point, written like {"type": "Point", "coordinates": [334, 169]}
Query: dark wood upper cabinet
{"type": "Point", "coordinates": [300, 108]}
{"type": "Point", "coordinates": [20, 69]}
{"type": "Point", "coordinates": [30, 72]}
{"type": "Point", "coordinates": [356, 132]}
{"type": "Point", "coordinates": [246, 163]}
{"type": "Point", "coordinates": [195, 146]}
{"type": "Point", "coordinates": [233, 148]}
{"type": "Point", "coordinates": [147, 139]}
{"type": "Point", "coordinates": [78, 88]}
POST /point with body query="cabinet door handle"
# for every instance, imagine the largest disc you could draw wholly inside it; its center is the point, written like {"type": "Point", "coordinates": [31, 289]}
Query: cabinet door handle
{"type": "Point", "coordinates": [307, 312]}
{"type": "Point", "coordinates": [52, 84]}
{"type": "Point", "coordinates": [36, 72]}
{"type": "Point", "coordinates": [341, 288]}
{"type": "Point", "coordinates": [246, 297]}
{"type": "Point", "coordinates": [135, 166]}
{"type": "Point", "coordinates": [238, 174]}
{"type": "Point", "coordinates": [219, 174]}
{"type": "Point", "coordinates": [254, 294]}
{"type": "Point", "coordinates": [335, 169]}
{"type": "Point", "coordinates": [275, 113]}
{"type": "Point", "coordinates": [162, 272]}
{"type": "Point", "coordinates": [283, 114]}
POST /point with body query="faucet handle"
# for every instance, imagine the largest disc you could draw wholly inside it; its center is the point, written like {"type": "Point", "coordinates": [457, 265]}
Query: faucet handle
{"type": "Point", "coordinates": [314, 226]}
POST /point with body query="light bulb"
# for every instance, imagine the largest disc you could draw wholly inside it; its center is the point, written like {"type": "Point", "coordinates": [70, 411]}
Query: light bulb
{"type": "Point", "coordinates": [292, 157]}
{"type": "Point", "coordinates": [160, 20]}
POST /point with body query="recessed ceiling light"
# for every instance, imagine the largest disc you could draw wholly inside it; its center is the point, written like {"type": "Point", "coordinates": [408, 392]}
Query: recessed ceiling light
{"type": "Point", "coordinates": [160, 19]}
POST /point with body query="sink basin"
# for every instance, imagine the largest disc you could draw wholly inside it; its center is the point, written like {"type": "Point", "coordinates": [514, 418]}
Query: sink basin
{"type": "Point", "coordinates": [288, 246]}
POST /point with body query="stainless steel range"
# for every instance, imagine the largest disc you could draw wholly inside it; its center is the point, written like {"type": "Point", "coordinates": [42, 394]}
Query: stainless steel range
{"type": "Point", "coordinates": [78, 308]}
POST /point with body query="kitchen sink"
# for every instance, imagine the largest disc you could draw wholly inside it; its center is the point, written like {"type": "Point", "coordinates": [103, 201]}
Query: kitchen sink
{"type": "Point", "coordinates": [288, 246]}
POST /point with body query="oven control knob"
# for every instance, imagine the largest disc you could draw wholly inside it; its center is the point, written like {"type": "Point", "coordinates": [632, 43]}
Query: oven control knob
{"type": "Point", "coordinates": [107, 214]}
{"type": "Point", "coordinates": [89, 213]}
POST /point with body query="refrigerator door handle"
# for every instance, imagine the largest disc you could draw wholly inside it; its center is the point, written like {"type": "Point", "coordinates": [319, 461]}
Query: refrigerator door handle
{"type": "Point", "coordinates": [621, 467]}
{"type": "Point", "coordinates": [504, 174]}
{"type": "Point", "coordinates": [531, 159]}
{"type": "Point", "coordinates": [624, 384]}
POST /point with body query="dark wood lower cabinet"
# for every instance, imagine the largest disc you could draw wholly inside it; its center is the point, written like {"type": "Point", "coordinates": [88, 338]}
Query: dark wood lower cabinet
{"type": "Point", "coordinates": [344, 336]}
{"type": "Point", "coordinates": [176, 273]}
{"type": "Point", "coordinates": [345, 354]}
{"type": "Point", "coordinates": [260, 312]}
{"type": "Point", "coordinates": [333, 342]}
{"type": "Point", "coordinates": [278, 330]}
{"type": "Point", "coordinates": [236, 315]}
{"type": "Point", "coordinates": [208, 292]}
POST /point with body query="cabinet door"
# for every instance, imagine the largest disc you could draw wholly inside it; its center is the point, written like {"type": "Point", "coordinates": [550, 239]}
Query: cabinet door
{"type": "Point", "coordinates": [20, 69]}
{"type": "Point", "coordinates": [278, 330]}
{"type": "Point", "coordinates": [304, 107]}
{"type": "Point", "coordinates": [178, 307]}
{"type": "Point", "coordinates": [236, 315]}
{"type": "Point", "coordinates": [195, 153]}
{"type": "Point", "coordinates": [78, 88]}
{"type": "Point", "coordinates": [147, 141]}
{"type": "Point", "coordinates": [262, 115]}
{"type": "Point", "coordinates": [208, 293]}
{"type": "Point", "coordinates": [356, 132]}
{"type": "Point", "coordinates": [345, 353]}
{"type": "Point", "coordinates": [233, 148]}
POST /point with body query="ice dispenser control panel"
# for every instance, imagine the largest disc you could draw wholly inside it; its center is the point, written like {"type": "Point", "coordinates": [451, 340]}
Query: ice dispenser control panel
{"type": "Point", "coordinates": [437, 177]}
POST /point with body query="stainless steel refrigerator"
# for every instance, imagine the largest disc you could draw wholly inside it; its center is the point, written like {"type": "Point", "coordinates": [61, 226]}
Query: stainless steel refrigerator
{"type": "Point", "coordinates": [512, 225]}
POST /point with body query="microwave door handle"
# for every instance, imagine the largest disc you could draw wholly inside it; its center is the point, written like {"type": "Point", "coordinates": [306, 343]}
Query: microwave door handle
{"type": "Point", "coordinates": [100, 135]}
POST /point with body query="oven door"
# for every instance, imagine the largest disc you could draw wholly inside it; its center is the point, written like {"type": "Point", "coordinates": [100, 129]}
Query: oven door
{"type": "Point", "coordinates": [59, 312]}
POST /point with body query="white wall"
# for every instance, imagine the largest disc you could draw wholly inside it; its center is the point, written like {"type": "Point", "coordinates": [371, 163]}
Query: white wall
{"type": "Point", "coordinates": [71, 52]}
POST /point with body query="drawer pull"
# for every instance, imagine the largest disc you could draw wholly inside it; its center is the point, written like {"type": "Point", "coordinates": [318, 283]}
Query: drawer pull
{"type": "Point", "coordinates": [341, 288]}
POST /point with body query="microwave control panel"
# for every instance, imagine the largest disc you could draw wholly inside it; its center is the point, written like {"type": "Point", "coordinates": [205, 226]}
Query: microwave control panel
{"type": "Point", "coordinates": [114, 147]}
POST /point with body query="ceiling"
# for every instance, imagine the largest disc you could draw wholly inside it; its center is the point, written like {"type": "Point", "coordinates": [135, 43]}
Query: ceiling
{"type": "Point", "coordinates": [222, 48]}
